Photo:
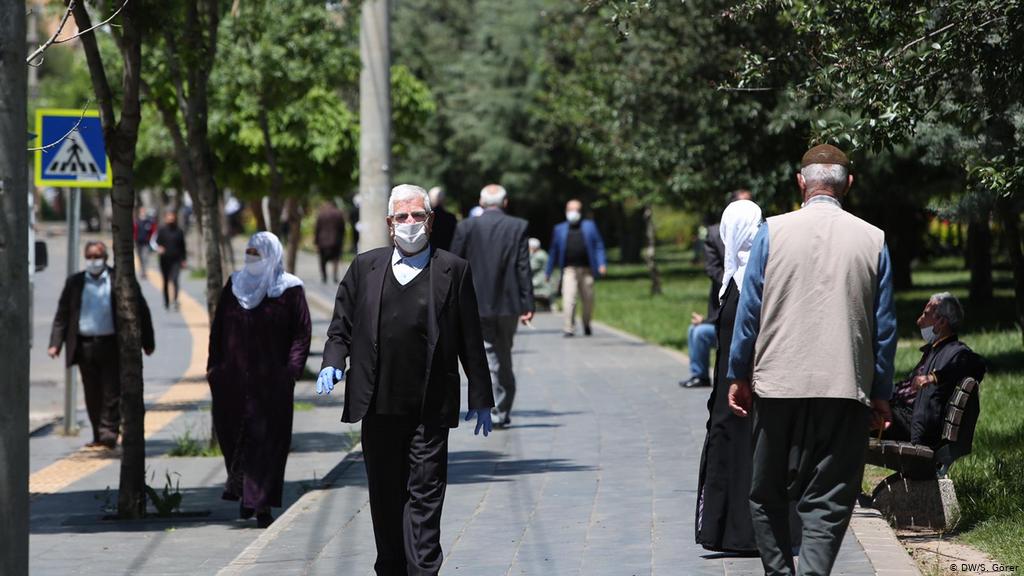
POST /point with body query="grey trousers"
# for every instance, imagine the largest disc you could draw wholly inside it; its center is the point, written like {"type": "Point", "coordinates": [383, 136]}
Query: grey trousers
{"type": "Point", "coordinates": [810, 450]}
{"type": "Point", "coordinates": [498, 333]}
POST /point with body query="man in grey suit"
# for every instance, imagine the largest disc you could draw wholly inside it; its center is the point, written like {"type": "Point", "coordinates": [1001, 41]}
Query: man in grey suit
{"type": "Point", "coordinates": [497, 248]}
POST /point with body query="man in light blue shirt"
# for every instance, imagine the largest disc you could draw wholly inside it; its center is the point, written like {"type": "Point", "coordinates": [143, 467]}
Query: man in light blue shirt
{"type": "Point", "coordinates": [86, 322]}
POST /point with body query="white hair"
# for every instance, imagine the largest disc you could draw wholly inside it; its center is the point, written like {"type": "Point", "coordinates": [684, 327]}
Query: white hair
{"type": "Point", "coordinates": [436, 196]}
{"type": "Point", "coordinates": [534, 243]}
{"type": "Point", "coordinates": [492, 196]}
{"type": "Point", "coordinates": [407, 192]}
{"type": "Point", "coordinates": [948, 307]}
{"type": "Point", "coordinates": [831, 176]}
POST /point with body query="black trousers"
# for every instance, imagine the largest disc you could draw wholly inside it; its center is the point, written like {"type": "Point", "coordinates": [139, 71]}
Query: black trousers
{"type": "Point", "coordinates": [407, 473]}
{"type": "Point", "coordinates": [328, 255]}
{"type": "Point", "coordinates": [98, 365]}
{"type": "Point", "coordinates": [170, 268]}
{"type": "Point", "coordinates": [810, 450]}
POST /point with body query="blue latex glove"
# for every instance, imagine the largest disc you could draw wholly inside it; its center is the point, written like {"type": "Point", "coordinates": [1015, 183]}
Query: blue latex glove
{"type": "Point", "coordinates": [328, 376]}
{"type": "Point", "coordinates": [483, 420]}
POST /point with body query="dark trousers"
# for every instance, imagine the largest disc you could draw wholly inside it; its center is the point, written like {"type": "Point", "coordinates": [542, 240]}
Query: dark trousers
{"type": "Point", "coordinates": [407, 473]}
{"type": "Point", "coordinates": [98, 365]}
{"type": "Point", "coordinates": [499, 333]}
{"type": "Point", "coordinates": [902, 418]}
{"type": "Point", "coordinates": [810, 450]}
{"type": "Point", "coordinates": [170, 268]}
{"type": "Point", "coordinates": [328, 255]}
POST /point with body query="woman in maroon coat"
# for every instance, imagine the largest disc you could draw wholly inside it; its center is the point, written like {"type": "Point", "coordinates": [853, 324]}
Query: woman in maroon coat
{"type": "Point", "coordinates": [259, 342]}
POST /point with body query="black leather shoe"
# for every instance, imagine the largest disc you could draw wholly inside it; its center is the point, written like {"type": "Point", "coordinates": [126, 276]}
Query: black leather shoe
{"type": "Point", "coordinates": [264, 520]}
{"type": "Point", "coordinates": [695, 382]}
{"type": "Point", "coordinates": [586, 330]}
{"type": "Point", "coordinates": [245, 513]}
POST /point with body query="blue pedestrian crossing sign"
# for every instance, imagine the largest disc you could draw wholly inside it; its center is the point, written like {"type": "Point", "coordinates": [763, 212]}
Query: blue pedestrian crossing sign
{"type": "Point", "coordinates": [72, 157]}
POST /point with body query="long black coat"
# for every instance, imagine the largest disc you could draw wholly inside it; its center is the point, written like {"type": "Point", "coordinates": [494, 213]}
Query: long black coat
{"type": "Point", "coordinates": [453, 334]}
{"type": "Point", "coordinates": [255, 357]}
{"type": "Point", "coordinates": [65, 322]}
{"type": "Point", "coordinates": [497, 247]}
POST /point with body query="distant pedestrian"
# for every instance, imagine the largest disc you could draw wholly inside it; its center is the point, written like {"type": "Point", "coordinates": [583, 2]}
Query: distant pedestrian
{"type": "Point", "coordinates": [497, 248]}
{"type": "Point", "coordinates": [329, 235]}
{"type": "Point", "coordinates": [723, 487]}
{"type": "Point", "coordinates": [86, 321]}
{"type": "Point", "coordinates": [170, 245]}
{"type": "Point", "coordinates": [578, 251]}
{"type": "Point", "coordinates": [812, 354]}
{"type": "Point", "coordinates": [404, 317]}
{"type": "Point", "coordinates": [145, 229]}
{"type": "Point", "coordinates": [701, 337]}
{"type": "Point", "coordinates": [259, 342]}
{"type": "Point", "coordinates": [444, 221]}
{"type": "Point", "coordinates": [538, 267]}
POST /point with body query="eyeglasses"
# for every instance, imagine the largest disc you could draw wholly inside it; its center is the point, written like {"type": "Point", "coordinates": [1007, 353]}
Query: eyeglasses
{"type": "Point", "coordinates": [418, 216]}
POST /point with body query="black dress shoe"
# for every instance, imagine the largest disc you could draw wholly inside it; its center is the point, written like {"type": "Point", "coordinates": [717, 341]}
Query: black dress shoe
{"type": "Point", "coordinates": [245, 513]}
{"type": "Point", "coordinates": [264, 520]}
{"type": "Point", "coordinates": [695, 382]}
{"type": "Point", "coordinates": [586, 330]}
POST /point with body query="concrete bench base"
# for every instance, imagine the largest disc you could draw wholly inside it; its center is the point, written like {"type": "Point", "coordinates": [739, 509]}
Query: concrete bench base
{"type": "Point", "coordinates": [930, 504]}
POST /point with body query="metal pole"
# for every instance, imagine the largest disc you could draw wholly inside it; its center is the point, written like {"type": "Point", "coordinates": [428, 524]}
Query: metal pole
{"type": "Point", "coordinates": [74, 210]}
{"type": "Point", "coordinates": [374, 124]}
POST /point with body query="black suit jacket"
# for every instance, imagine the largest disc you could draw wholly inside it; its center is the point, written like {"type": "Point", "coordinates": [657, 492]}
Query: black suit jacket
{"type": "Point", "coordinates": [65, 322]}
{"type": "Point", "coordinates": [714, 266]}
{"type": "Point", "coordinates": [952, 361]}
{"type": "Point", "coordinates": [497, 247]}
{"type": "Point", "coordinates": [443, 230]}
{"type": "Point", "coordinates": [453, 333]}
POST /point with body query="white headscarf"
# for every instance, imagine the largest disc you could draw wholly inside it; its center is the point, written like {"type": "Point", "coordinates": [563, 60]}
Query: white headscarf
{"type": "Point", "coordinates": [740, 222]}
{"type": "Point", "coordinates": [264, 277]}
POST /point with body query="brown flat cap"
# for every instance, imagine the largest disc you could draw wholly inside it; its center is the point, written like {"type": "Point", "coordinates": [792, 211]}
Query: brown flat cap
{"type": "Point", "coordinates": [825, 154]}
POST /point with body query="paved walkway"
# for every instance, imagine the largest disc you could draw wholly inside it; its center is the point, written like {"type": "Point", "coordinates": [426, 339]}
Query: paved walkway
{"type": "Point", "coordinates": [596, 476]}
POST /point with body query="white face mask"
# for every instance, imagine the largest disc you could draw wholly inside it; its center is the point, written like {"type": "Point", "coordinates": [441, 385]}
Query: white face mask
{"type": "Point", "coordinates": [928, 333]}
{"type": "Point", "coordinates": [95, 266]}
{"type": "Point", "coordinates": [572, 216]}
{"type": "Point", "coordinates": [411, 238]}
{"type": "Point", "coordinates": [255, 264]}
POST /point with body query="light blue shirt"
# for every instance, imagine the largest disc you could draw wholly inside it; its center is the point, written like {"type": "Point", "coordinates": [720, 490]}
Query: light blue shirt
{"type": "Point", "coordinates": [408, 267]}
{"type": "Point", "coordinates": [96, 317]}
{"type": "Point", "coordinates": [748, 314]}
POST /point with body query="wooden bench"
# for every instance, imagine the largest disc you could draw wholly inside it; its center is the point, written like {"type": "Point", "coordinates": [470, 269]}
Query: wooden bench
{"type": "Point", "coordinates": [920, 493]}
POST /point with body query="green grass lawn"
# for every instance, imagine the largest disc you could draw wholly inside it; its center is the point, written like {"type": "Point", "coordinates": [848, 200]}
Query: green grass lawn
{"type": "Point", "coordinates": [989, 482]}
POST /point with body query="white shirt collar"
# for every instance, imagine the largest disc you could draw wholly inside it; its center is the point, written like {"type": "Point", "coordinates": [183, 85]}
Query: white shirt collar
{"type": "Point", "coordinates": [822, 199]}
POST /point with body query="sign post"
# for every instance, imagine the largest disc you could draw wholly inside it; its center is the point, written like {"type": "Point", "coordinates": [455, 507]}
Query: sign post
{"type": "Point", "coordinates": [71, 154]}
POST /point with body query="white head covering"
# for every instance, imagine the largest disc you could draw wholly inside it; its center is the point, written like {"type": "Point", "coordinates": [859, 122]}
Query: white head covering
{"type": "Point", "coordinates": [264, 278]}
{"type": "Point", "coordinates": [740, 222]}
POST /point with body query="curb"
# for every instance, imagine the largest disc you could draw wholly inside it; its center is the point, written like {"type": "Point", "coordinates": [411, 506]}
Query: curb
{"type": "Point", "coordinates": [886, 553]}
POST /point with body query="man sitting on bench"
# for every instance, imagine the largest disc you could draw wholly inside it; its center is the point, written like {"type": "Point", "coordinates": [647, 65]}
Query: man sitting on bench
{"type": "Point", "coordinates": [919, 402]}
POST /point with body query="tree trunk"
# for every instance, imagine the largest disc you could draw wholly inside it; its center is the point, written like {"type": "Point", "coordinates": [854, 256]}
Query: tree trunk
{"type": "Point", "coordinates": [14, 291]}
{"type": "Point", "coordinates": [120, 137]}
{"type": "Point", "coordinates": [979, 260]}
{"type": "Point", "coordinates": [276, 181]}
{"type": "Point", "coordinates": [256, 207]}
{"type": "Point", "coordinates": [294, 231]}
{"type": "Point", "coordinates": [1009, 213]}
{"type": "Point", "coordinates": [649, 250]}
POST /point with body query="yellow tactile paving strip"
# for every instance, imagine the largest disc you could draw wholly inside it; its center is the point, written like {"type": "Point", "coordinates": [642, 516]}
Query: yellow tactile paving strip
{"type": "Point", "coordinates": [189, 389]}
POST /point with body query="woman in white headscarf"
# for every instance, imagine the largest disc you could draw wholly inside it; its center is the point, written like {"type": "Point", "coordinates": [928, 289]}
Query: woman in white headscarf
{"type": "Point", "coordinates": [723, 509]}
{"type": "Point", "coordinates": [259, 342]}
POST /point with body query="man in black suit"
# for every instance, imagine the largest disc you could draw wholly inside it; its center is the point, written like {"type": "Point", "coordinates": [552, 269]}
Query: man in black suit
{"type": "Point", "coordinates": [443, 229]}
{"type": "Point", "coordinates": [86, 321]}
{"type": "Point", "coordinates": [403, 318]}
{"type": "Point", "coordinates": [497, 247]}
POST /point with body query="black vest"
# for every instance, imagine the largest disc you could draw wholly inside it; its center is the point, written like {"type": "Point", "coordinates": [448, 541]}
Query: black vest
{"type": "Point", "coordinates": [402, 372]}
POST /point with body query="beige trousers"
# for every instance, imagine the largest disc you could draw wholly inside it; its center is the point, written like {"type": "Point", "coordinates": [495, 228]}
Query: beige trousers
{"type": "Point", "coordinates": [577, 282]}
